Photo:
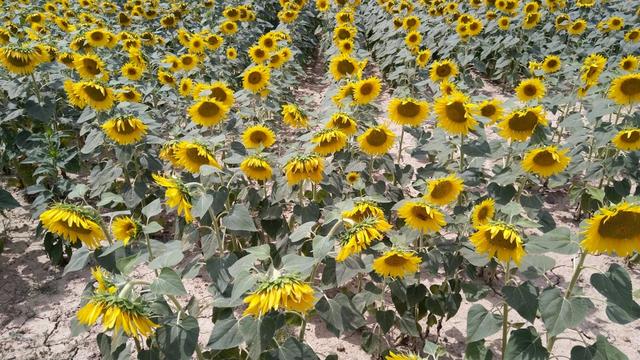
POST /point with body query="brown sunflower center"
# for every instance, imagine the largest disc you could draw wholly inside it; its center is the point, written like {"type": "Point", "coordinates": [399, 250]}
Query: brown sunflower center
{"type": "Point", "coordinates": [187, 61]}
{"type": "Point", "coordinates": [377, 137]}
{"type": "Point", "coordinates": [257, 136]}
{"type": "Point", "coordinates": [442, 189]}
{"type": "Point", "coordinates": [483, 213]}
{"type": "Point", "coordinates": [259, 53]}
{"type": "Point", "coordinates": [208, 109]}
{"type": "Point", "coordinates": [544, 158]}
{"type": "Point", "coordinates": [97, 36]}
{"type": "Point", "coordinates": [18, 61]}
{"type": "Point", "coordinates": [366, 89]}
{"type": "Point", "coordinates": [443, 70]}
{"type": "Point", "coordinates": [552, 63]}
{"type": "Point", "coordinates": [488, 110]}
{"type": "Point", "coordinates": [421, 213]}
{"type": "Point", "coordinates": [342, 122]}
{"type": "Point", "coordinates": [194, 155]}
{"type": "Point", "coordinates": [409, 109]}
{"type": "Point", "coordinates": [413, 38]}
{"type": "Point", "coordinates": [352, 178]}
{"type": "Point", "coordinates": [630, 87]}
{"type": "Point", "coordinates": [634, 35]}
{"type": "Point", "coordinates": [74, 228]}
{"type": "Point", "coordinates": [218, 94]}
{"type": "Point", "coordinates": [124, 127]}
{"type": "Point", "coordinates": [129, 95]}
{"type": "Point", "coordinates": [346, 67]}
{"type": "Point", "coordinates": [132, 71]}
{"type": "Point", "coordinates": [344, 34]}
{"type": "Point", "coordinates": [631, 136]}
{"type": "Point", "coordinates": [456, 112]}
{"type": "Point", "coordinates": [530, 90]}
{"type": "Point", "coordinates": [395, 260]}
{"type": "Point", "coordinates": [499, 240]}
{"type": "Point", "coordinates": [96, 93]}
{"type": "Point", "coordinates": [255, 77]}
{"type": "Point", "coordinates": [623, 225]}
{"type": "Point", "coordinates": [527, 122]}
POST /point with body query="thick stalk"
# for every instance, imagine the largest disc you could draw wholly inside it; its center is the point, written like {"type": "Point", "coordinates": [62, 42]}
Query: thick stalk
{"type": "Point", "coordinates": [400, 145]}
{"type": "Point", "coordinates": [505, 313]}
{"type": "Point", "coordinates": [36, 90]}
{"type": "Point", "coordinates": [303, 328]}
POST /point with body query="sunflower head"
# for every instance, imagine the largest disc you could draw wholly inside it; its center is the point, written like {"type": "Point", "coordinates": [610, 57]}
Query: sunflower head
{"type": "Point", "coordinates": [366, 90]}
{"type": "Point", "coordinates": [551, 64]}
{"type": "Point", "coordinates": [483, 213]}
{"type": "Point", "coordinates": [443, 70]}
{"type": "Point", "coordinates": [342, 122]}
{"type": "Point", "coordinates": [258, 136]}
{"type": "Point", "coordinates": [519, 125]}
{"type": "Point", "coordinates": [256, 78]}
{"type": "Point", "coordinates": [208, 112]}
{"type": "Point", "coordinates": [613, 230]}
{"type": "Point", "coordinates": [530, 89]}
{"type": "Point", "coordinates": [329, 141]}
{"type": "Point", "coordinates": [376, 140]}
{"type": "Point", "coordinates": [294, 116]}
{"type": "Point", "coordinates": [304, 167]}
{"type": "Point", "coordinates": [408, 111]}
{"type": "Point", "coordinates": [445, 190]}
{"type": "Point", "coordinates": [420, 216]}
{"type": "Point", "coordinates": [397, 263]}
{"type": "Point", "coordinates": [118, 314]}
{"type": "Point", "coordinates": [491, 109]}
{"type": "Point", "coordinates": [283, 292]}
{"type": "Point", "coordinates": [125, 130]}
{"type": "Point", "coordinates": [125, 229]}
{"type": "Point", "coordinates": [627, 140]}
{"type": "Point", "coordinates": [191, 156]}
{"type": "Point", "coordinates": [256, 167]}
{"type": "Point", "coordinates": [74, 223]}
{"type": "Point", "coordinates": [363, 209]}
{"type": "Point", "coordinates": [455, 114]}
{"type": "Point", "coordinates": [546, 161]}
{"type": "Point", "coordinates": [499, 240]}
{"type": "Point", "coordinates": [625, 89]}
{"type": "Point", "coordinates": [629, 63]}
{"type": "Point", "coordinates": [361, 235]}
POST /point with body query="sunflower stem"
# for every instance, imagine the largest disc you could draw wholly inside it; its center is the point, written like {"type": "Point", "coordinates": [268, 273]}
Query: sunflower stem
{"type": "Point", "coordinates": [509, 152]}
{"type": "Point", "coordinates": [521, 189]}
{"type": "Point", "coordinates": [461, 154]}
{"type": "Point", "coordinates": [106, 233]}
{"type": "Point", "coordinates": [137, 342]}
{"type": "Point", "coordinates": [216, 228]}
{"type": "Point", "coordinates": [505, 313]}
{"type": "Point", "coordinates": [36, 90]}
{"type": "Point", "coordinates": [148, 242]}
{"type": "Point", "coordinates": [400, 145]}
{"type": "Point", "coordinates": [303, 328]}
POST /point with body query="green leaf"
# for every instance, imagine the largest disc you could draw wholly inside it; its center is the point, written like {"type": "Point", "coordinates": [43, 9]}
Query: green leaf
{"type": "Point", "coordinates": [178, 340]}
{"type": "Point", "coordinates": [127, 264]}
{"type": "Point", "coordinates": [152, 228]}
{"type": "Point", "coordinates": [557, 240]}
{"type": "Point", "coordinates": [386, 319]}
{"type": "Point", "coordinates": [301, 232]}
{"type": "Point", "coordinates": [477, 351]}
{"type": "Point", "coordinates": [293, 349]}
{"type": "Point", "coordinates": [201, 205]}
{"type": "Point", "coordinates": [225, 335]}
{"type": "Point", "coordinates": [121, 352]}
{"type": "Point", "coordinates": [523, 299]}
{"type": "Point", "coordinates": [559, 314]}
{"type": "Point", "coordinates": [339, 314]}
{"type": "Point", "coordinates": [292, 263]}
{"type": "Point", "coordinates": [168, 283]}
{"type": "Point", "coordinates": [435, 351]}
{"type": "Point", "coordinates": [615, 285]}
{"type": "Point", "coordinates": [78, 260]}
{"type": "Point", "coordinates": [152, 209]}
{"type": "Point", "coordinates": [258, 333]}
{"type": "Point", "coordinates": [167, 254]}
{"type": "Point", "coordinates": [7, 202]}
{"type": "Point", "coordinates": [600, 350]}
{"type": "Point", "coordinates": [481, 323]}
{"type": "Point", "coordinates": [239, 219]}
{"type": "Point", "coordinates": [525, 344]}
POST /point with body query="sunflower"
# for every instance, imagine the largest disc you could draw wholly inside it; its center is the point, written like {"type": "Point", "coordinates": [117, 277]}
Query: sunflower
{"type": "Point", "coordinates": [615, 23]}
{"type": "Point", "coordinates": [213, 41]}
{"type": "Point", "coordinates": [293, 116]}
{"type": "Point", "coordinates": [256, 136]}
{"type": "Point", "coordinates": [366, 90]}
{"type": "Point", "coordinates": [530, 89]}
{"type": "Point", "coordinates": [360, 236]}
{"type": "Point", "coordinates": [125, 130]}
{"type": "Point", "coordinates": [304, 167]}
{"type": "Point", "coordinates": [268, 42]}
{"type": "Point", "coordinates": [98, 97]}
{"type": "Point", "coordinates": [74, 99]}
{"type": "Point", "coordinates": [363, 209]}
{"type": "Point", "coordinates": [118, 313]}
{"type": "Point", "coordinates": [352, 177]}
{"type": "Point", "coordinates": [491, 109]}
{"type": "Point", "coordinates": [483, 213]}
{"type": "Point", "coordinates": [173, 62]}
{"type": "Point", "coordinates": [89, 66]}
{"type": "Point", "coordinates": [258, 54]}
{"type": "Point", "coordinates": [519, 125]}
{"type": "Point", "coordinates": [377, 140]}
{"type": "Point", "coordinates": [256, 168]}
{"type": "Point", "coordinates": [420, 216]}
{"type": "Point", "coordinates": [499, 240]}
{"type": "Point", "coordinates": [231, 53]}
{"type": "Point", "coordinates": [98, 37]}
{"type": "Point", "coordinates": [192, 156]}
{"type": "Point", "coordinates": [74, 223]}
{"type": "Point", "coordinates": [551, 64]}
{"type": "Point", "coordinates": [408, 111]}
{"type": "Point", "coordinates": [168, 21]}
{"type": "Point", "coordinates": [545, 161]}
{"type": "Point", "coordinates": [188, 62]}
{"type": "Point", "coordinates": [131, 71]}
{"type": "Point", "coordinates": [504, 22]}
{"type": "Point", "coordinates": [401, 356]}
{"type": "Point", "coordinates": [413, 39]}
{"type": "Point", "coordinates": [166, 78]}
{"type": "Point", "coordinates": [585, 3]}
{"type": "Point", "coordinates": [455, 114]}
{"type": "Point", "coordinates": [632, 35]}
{"type": "Point", "coordinates": [186, 87]}
{"type": "Point", "coordinates": [286, 292]}
{"type": "Point", "coordinates": [20, 60]}
{"type": "Point", "coordinates": [323, 5]}
{"type": "Point", "coordinates": [625, 89]}
{"type": "Point", "coordinates": [614, 229]}
{"type": "Point", "coordinates": [256, 78]}
{"type": "Point", "coordinates": [129, 94]}
{"type": "Point", "coordinates": [396, 263]}
{"type": "Point", "coordinates": [125, 229]}
{"type": "Point", "coordinates": [423, 57]}
{"type": "Point", "coordinates": [344, 32]}
{"type": "Point", "coordinates": [345, 16]}
{"type": "Point", "coordinates": [218, 91]}
{"type": "Point", "coordinates": [196, 45]}
{"type": "Point", "coordinates": [103, 280]}
{"type": "Point", "coordinates": [342, 122]}
{"type": "Point", "coordinates": [344, 92]}
{"type": "Point", "coordinates": [346, 46]}
{"type": "Point", "coordinates": [445, 190]}
{"type": "Point", "coordinates": [276, 60]}
{"type": "Point", "coordinates": [177, 195]}
{"type": "Point", "coordinates": [67, 59]}
{"type": "Point", "coordinates": [207, 112]}
{"type": "Point", "coordinates": [343, 65]}
{"type": "Point", "coordinates": [592, 68]}
{"type": "Point", "coordinates": [228, 27]}
{"type": "Point", "coordinates": [328, 141]}
{"type": "Point", "coordinates": [629, 63]}
{"type": "Point", "coordinates": [443, 70]}
{"type": "Point", "coordinates": [628, 139]}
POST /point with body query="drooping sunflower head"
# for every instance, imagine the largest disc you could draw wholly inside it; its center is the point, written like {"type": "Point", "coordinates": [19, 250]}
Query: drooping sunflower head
{"type": "Point", "coordinates": [613, 230]}
{"type": "Point", "coordinates": [72, 94]}
{"type": "Point", "coordinates": [284, 292]}
{"type": "Point", "coordinates": [625, 89]}
{"type": "Point", "coordinates": [376, 140]}
{"type": "Point", "coordinates": [125, 130]}
{"type": "Point", "coordinates": [530, 89]}
{"type": "Point", "coordinates": [208, 112]}
{"type": "Point", "coordinates": [103, 280]}
{"type": "Point", "coordinates": [73, 223]}
{"type": "Point", "coordinates": [551, 64]}
{"type": "Point", "coordinates": [546, 161]}
{"type": "Point", "coordinates": [166, 78]}
{"type": "Point", "coordinates": [119, 314]}
{"type": "Point", "coordinates": [491, 109]}
{"type": "Point", "coordinates": [256, 78]}
{"type": "Point", "coordinates": [531, 20]}
{"type": "Point", "coordinates": [519, 125]}
{"type": "Point", "coordinates": [443, 70]}
{"type": "Point", "coordinates": [401, 356]}
{"type": "Point", "coordinates": [445, 190]}
{"type": "Point", "coordinates": [483, 213]}
{"type": "Point", "coordinates": [455, 113]}
{"type": "Point", "coordinates": [363, 209]}
{"type": "Point", "coordinates": [97, 96]}
{"type": "Point", "coordinates": [397, 263]}
{"type": "Point", "coordinates": [328, 141]}
{"type": "Point", "coordinates": [176, 193]}
{"type": "Point", "coordinates": [366, 90]}
{"type": "Point", "coordinates": [420, 216]}
{"type": "Point", "coordinates": [304, 167]}
{"type": "Point", "coordinates": [408, 111]}
{"type": "Point", "coordinates": [256, 167]}
{"type": "Point", "coordinates": [21, 60]}
{"type": "Point", "coordinates": [627, 140]}
{"type": "Point", "coordinates": [361, 235]}
{"type": "Point", "coordinates": [192, 156]}
{"type": "Point", "coordinates": [258, 135]}
{"type": "Point", "coordinates": [125, 229]}
{"type": "Point", "coordinates": [342, 122]}
{"type": "Point", "coordinates": [293, 116]}
{"type": "Point", "coordinates": [499, 240]}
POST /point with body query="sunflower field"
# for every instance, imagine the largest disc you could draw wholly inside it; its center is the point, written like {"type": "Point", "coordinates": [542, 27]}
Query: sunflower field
{"type": "Point", "coordinates": [328, 179]}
